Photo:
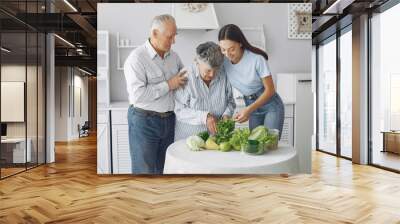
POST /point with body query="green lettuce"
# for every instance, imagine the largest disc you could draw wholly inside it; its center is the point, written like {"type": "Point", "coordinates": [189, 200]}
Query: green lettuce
{"type": "Point", "coordinates": [224, 130]}
{"type": "Point", "coordinates": [239, 137]}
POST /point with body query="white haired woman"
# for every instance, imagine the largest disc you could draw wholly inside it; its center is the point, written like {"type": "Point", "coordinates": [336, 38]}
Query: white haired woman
{"type": "Point", "coordinates": [208, 95]}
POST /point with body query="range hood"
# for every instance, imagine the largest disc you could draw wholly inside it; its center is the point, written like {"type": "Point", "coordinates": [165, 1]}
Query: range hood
{"type": "Point", "coordinates": [195, 16]}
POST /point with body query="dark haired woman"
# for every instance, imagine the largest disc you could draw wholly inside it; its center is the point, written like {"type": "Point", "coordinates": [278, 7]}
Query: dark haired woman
{"type": "Point", "coordinates": [247, 70]}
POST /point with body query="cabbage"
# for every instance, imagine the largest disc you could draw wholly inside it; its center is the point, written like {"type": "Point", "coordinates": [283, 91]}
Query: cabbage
{"type": "Point", "coordinates": [267, 138]}
{"type": "Point", "coordinates": [195, 143]}
{"type": "Point", "coordinates": [259, 133]}
{"type": "Point", "coordinates": [239, 137]}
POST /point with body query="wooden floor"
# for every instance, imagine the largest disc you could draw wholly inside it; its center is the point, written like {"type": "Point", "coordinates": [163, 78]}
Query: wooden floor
{"type": "Point", "coordinates": [387, 159]}
{"type": "Point", "coordinates": [10, 171]}
{"type": "Point", "coordinates": [70, 191]}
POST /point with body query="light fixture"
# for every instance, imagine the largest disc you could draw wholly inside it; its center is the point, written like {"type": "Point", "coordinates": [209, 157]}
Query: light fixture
{"type": "Point", "coordinates": [64, 40]}
{"type": "Point", "coordinates": [326, 11]}
{"type": "Point", "coordinates": [84, 71]}
{"type": "Point", "coordinates": [5, 49]}
{"type": "Point", "coordinates": [70, 5]}
{"type": "Point", "coordinates": [80, 51]}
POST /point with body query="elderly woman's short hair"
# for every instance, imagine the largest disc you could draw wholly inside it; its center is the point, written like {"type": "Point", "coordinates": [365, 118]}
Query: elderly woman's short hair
{"type": "Point", "coordinates": [210, 53]}
{"type": "Point", "coordinates": [158, 22]}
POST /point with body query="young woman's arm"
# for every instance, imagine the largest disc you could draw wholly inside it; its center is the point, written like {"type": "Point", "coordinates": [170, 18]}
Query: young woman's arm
{"type": "Point", "coordinates": [269, 91]}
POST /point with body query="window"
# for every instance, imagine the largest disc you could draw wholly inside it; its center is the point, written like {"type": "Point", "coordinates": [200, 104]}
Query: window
{"type": "Point", "coordinates": [22, 75]}
{"type": "Point", "coordinates": [335, 94]}
{"type": "Point", "coordinates": [385, 88]}
{"type": "Point", "coordinates": [327, 97]}
{"type": "Point", "coordinates": [346, 94]}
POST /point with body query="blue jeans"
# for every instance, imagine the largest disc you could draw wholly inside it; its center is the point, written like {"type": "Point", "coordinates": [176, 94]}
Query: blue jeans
{"type": "Point", "coordinates": [149, 138]}
{"type": "Point", "coordinates": [271, 114]}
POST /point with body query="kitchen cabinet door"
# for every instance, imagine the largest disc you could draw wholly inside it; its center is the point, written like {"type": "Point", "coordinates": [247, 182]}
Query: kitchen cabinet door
{"type": "Point", "coordinates": [120, 145]}
{"type": "Point", "coordinates": [103, 149]}
{"type": "Point", "coordinates": [287, 131]}
{"type": "Point", "coordinates": [304, 123]}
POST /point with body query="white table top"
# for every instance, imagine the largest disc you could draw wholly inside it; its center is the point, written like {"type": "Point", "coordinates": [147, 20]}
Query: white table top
{"type": "Point", "coordinates": [181, 160]}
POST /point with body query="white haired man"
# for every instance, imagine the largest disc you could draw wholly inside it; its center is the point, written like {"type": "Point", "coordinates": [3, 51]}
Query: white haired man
{"type": "Point", "coordinates": [152, 73]}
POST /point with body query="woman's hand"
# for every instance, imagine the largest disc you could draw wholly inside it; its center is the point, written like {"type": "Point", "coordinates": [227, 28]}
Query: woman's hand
{"type": "Point", "coordinates": [226, 117]}
{"type": "Point", "coordinates": [242, 116]}
{"type": "Point", "coordinates": [269, 91]}
{"type": "Point", "coordinates": [212, 124]}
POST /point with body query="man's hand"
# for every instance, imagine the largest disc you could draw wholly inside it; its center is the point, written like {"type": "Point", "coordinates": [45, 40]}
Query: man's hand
{"type": "Point", "coordinates": [177, 80]}
{"type": "Point", "coordinates": [212, 124]}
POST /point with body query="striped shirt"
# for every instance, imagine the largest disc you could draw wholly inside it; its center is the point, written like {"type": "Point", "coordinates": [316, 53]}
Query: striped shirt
{"type": "Point", "coordinates": [146, 75]}
{"type": "Point", "coordinates": [196, 100]}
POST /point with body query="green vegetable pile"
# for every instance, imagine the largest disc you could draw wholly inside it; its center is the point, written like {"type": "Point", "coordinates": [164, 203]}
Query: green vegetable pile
{"type": "Point", "coordinates": [239, 137]}
{"type": "Point", "coordinates": [224, 130]}
{"type": "Point", "coordinates": [204, 135]}
{"type": "Point", "coordinates": [228, 138]}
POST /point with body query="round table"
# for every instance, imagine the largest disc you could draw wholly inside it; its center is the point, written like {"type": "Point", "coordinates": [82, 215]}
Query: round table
{"type": "Point", "coordinates": [180, 159]}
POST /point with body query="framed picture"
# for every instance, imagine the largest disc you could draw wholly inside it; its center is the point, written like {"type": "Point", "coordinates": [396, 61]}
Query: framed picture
{"type": "Point", "coordinates": [303, 22]}
{"type": "Point", "coordinates": [299, 21]}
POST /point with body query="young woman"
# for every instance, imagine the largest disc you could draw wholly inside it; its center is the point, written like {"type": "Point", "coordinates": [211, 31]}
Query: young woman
{"type": "Point", "coordinates": [247, 70]}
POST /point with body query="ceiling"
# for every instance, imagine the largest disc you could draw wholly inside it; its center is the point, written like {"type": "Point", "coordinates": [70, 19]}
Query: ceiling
{"type": "Point", "coordinates": [332, 15]}
{"type": "Point", "coordinates": [76, 21]}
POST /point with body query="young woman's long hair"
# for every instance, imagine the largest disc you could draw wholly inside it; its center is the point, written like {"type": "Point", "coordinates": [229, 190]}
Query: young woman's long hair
{"type": "Point", "coordinates": [234, 33]}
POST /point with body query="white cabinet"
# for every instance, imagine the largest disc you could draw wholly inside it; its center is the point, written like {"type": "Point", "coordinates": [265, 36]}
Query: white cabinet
{"type": "Point", "coordinates": [304, 121]}
{"type": "Point", "coordinates": [103, 149]}
{"type": "Point", "coordinates": [103, 68]}
{"type": "Point", "coordinates": [120, 148]}
{"type": "Point", "coordinates": [15, 147]}
{"type": "Point", "coordinates": [121, 158]}
{"type": "Point", "coordinates": [103, 46]}
{"type": "Point", "coordinates": [288, 129]}
{"type": "Point", "coordinates": [124, 48]}
{"type": "Point", "coordinates": [286, 87]}
{"type": "Point", "coordinates": [103, 101]}
{"type": "Point", "coordinates": [113, 155]}
{"type": "Point", "coordinates": [119, 117]}
{"type": "Point", "coordinates": [296, 92]}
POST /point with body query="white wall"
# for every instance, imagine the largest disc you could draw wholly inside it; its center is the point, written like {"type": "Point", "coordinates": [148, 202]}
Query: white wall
{"type": "Point", "coordinates": [82, 82]}
{"type": "Point", "coordinates": [33, 125]}
{"type": "Point", "coordinates": [14, 72]}
{"type": "Point", "coordinates": [61, 103]}
{"type": "Point", "coordinates": [65, 119]}
{"type": "Point", "coordinates": [132, 21]}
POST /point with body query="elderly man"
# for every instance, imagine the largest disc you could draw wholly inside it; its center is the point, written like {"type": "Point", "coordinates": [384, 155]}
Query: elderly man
{"type": "Point", "coordinates": [152, 73]}
{"type": "Point", "coordinates": [208, 95]}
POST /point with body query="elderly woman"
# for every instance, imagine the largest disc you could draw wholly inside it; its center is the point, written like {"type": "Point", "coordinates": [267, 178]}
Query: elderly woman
{"type": "Point", "coordinates": [208, 95]}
